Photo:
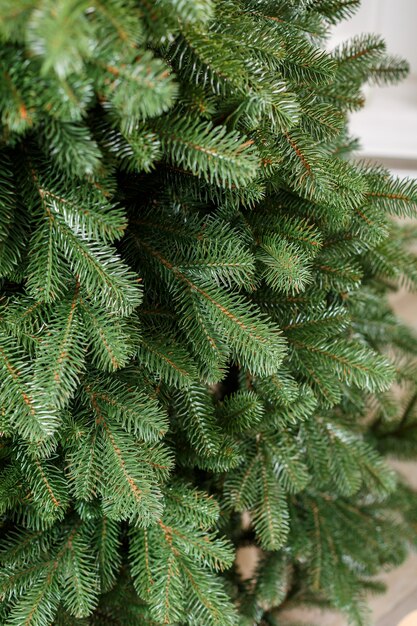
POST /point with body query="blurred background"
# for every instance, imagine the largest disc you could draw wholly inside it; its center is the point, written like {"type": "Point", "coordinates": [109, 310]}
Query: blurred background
{"type": "Point", "coordinates": [387, 128]}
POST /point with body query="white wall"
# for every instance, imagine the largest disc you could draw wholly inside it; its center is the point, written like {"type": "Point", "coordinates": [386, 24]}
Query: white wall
{"type": "Point", "coordinates": [396, 20]}
{"type": "Point", "coordinates": [387, 126]}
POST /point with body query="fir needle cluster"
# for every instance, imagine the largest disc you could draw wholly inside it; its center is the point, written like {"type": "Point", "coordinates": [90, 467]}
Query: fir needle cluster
{"type": "Point", "coordinates": [197, 351]}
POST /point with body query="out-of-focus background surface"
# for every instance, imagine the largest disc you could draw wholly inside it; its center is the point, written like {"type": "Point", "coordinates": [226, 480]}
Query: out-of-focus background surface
{"type": "Point", "coordinates": [387, 128]}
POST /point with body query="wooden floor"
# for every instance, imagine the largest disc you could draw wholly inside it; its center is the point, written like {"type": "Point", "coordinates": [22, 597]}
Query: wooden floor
{"type": "Point", "coordinates": [401, 597]}
{"type": "Point", "coordinates": [386, 610]}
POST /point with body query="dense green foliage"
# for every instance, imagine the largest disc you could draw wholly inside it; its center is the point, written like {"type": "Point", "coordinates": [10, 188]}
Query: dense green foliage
{"type": "Point", "coordinates": [197, 352]}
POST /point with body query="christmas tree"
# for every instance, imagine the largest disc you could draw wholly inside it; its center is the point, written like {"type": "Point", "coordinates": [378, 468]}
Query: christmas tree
{"type": "Point", "coordinates": [196, 345]}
